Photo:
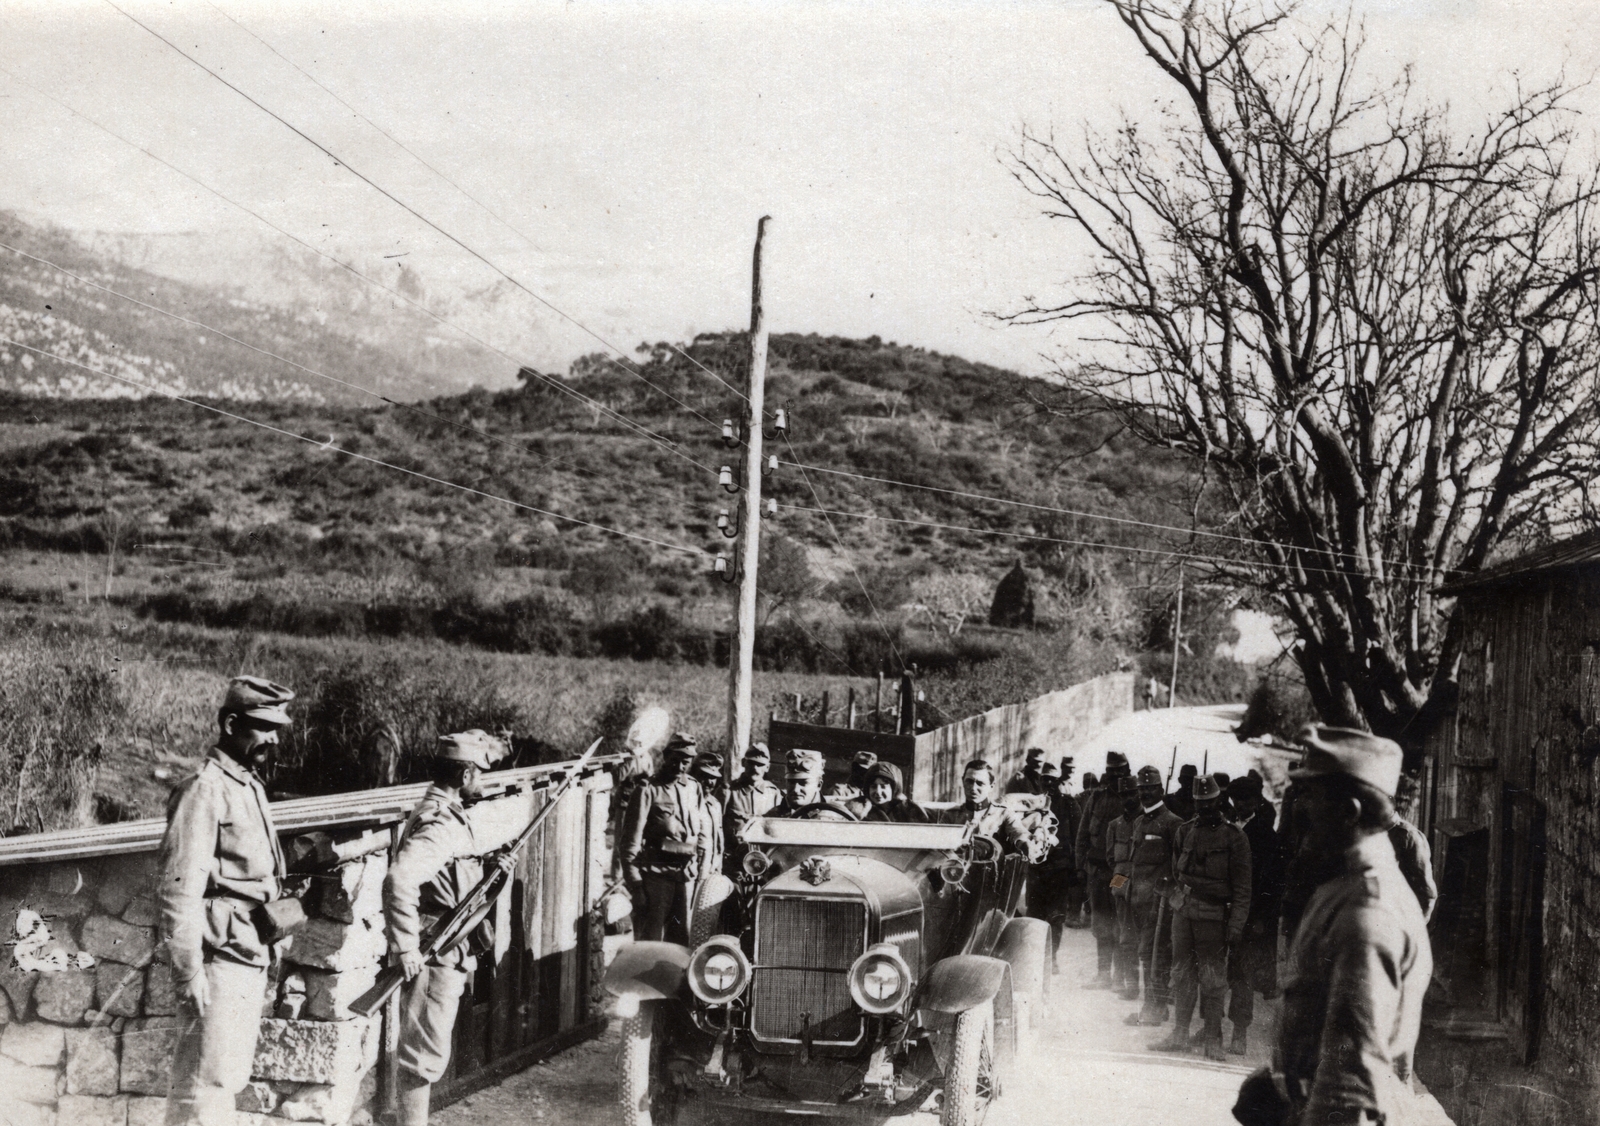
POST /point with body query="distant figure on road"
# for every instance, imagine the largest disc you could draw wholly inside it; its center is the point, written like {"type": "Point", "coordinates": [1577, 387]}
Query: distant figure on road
{"type": "Point", "coordinates": [220, 864]}
{"type": "Point", "coordinates": [1101, 806]}
{"type": "Point", "coordinates": [886, 789]}
{"type": "Point", "coordinates": [1352, 1006]}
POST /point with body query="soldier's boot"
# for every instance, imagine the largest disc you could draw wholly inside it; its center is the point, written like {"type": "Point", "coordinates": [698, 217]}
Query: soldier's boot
{"type": "Point", "coordinates": [1238, 1047]}
{"type": "Point", "coordinates": [1211, 1038]}
{"type": "Point", "coordinates": [413, 1108]}
{"type": "Point", "coordinates": [1152, 1013]}
{"type": "Point", "coordinates": [1177, 1041]}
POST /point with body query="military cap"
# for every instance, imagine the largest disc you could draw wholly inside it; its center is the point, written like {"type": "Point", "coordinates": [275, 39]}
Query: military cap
{"type": "Point", "coordinates": [1127, 786]}
{"type": "Point", "coordinates": [679, 744]}
{"type": "Point", "coordinates": [1247, 787]}
{"type": "Point", "coordinates": [1035, 753]}
{"type": "Point", "coordinates": [1116, 762]}
{"type": "Point", "coordinates": [1346, 750]}
{"type": "Point", "coordinates": [1206, 788]}
{"type": "Point", "coordinates": [708, 762]}
{"type": "Point", "coordinates": [1048, 769]}
{"type": "Point", "coordinates": [803, 764]}
{"type": "Point", "coordinates": [477, 747]}
{"type": "Point", "coordinates": [865, 759]}
{"type": "Point", "coordinates": [257, 699]}
{"type": "Point", "coordinates": [758, 751]}
{"type": "Point", "coordinates": [1090, 780]}
{"type": "Point", "coordinates": [1188, 770]}
{"type": "Point", "coordinates": [1150, 776]}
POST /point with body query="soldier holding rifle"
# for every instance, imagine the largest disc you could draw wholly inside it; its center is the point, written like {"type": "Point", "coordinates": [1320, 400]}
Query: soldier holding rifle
{"type": "Point", "coordinates": [436, 867]}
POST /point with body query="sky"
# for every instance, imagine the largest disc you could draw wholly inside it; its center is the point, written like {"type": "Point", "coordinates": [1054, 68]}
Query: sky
{"type": "Point", "coordinates": [620, 155]}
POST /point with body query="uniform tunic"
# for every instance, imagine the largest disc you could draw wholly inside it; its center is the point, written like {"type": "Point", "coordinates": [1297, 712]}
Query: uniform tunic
{"type": "Point", "coordinates": [665, 845]}
{"type": "Point", "coordinates": [1119, 852]}
{"type": "Point", "coordinates": [1212, 874]}
{"type": "Point", "coordinates": [1151, 867]}
{"type": "Point", "coordinates": [1253, 962]}
{"type": "Point", "coordinates": [434, 870]}
{"type": "Point", "coordinates": [1101, 806]}
{"type": "Point", "coordinates": [220, 858]}
{"type": "Point", "coordinates": [1352, 1006]}
{"type": "Point", "coordinates": [748, 798]}
{"type": "Point", "coordinates": [992, 820]}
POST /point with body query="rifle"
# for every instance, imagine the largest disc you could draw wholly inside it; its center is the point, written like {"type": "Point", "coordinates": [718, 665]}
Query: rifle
{"type": "Point", "coordinates": [1173, 765]}
{"type": "Point", "coordinates": [449, 932]}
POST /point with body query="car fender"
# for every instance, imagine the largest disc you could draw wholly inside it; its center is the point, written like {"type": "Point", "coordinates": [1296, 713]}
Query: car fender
{"type": "Point", "coordinates": [963, 981]}
{"type": "Point", "coordinates": [1024, 944]}
{"type": "Point", "coordinates": [650, 971]}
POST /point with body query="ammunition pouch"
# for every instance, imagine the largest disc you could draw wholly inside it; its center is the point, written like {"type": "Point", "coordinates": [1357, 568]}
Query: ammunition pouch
{"type": "Point", "coordinates": [279, 919]}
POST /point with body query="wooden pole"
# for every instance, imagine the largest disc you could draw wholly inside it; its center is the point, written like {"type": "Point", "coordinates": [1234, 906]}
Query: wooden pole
{"type": "Point", "coordinates": [741, 655]}
{"type": "Point", "coordinates": [850, 710]}
{"type": "Point", "coordinates": [877, 708]}
{"type": "Point", "coordinates": [1177, 638]}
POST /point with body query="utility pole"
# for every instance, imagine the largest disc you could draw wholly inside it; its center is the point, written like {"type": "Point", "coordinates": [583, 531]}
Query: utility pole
{"type": "Point", "coordinates": [1177, 639]}
{"type": "Point", "coordinates": [741, 653]}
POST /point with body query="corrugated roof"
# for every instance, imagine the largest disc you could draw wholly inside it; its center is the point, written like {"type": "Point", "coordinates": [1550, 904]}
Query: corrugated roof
{"type": "Point", "coordinates": [1579, 551]}
{"type": "Point", "coordinates": [388, 805]}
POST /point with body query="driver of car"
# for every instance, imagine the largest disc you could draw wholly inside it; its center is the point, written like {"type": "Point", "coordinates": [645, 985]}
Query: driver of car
{"type": "Point", "coordinates": [992, 819]}
{"type": "Point", "coordinates": [802, 791]}
{"type": "Point", "coordinates": [886, 790]}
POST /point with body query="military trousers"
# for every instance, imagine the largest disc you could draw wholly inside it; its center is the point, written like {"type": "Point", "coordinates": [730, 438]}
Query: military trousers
{"type": "Point", "coordinates": [1102, 914]}
{"type": "Point", "coordinates": [1199, 969]}
{"type": "Point", "coordinates": [211, 1061]}
{"type": "Point", "coordinates": [666, 909]}
{"type": "Point", "coordinates": [1155, 948]}
{"type": "Point", "coordinates": [428, 1020]}
{"type": "Point", "coordinates": [1252, 969]}
{"type": "Point", "coordinates": [1048, 899]}
{"type": "Point", "coordinates": [1125, 961]}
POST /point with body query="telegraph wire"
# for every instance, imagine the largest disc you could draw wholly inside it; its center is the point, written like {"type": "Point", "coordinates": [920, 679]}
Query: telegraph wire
{"type": "Point", "coordinates": [352, 453]}
{"type": "Point", "coordinates": [341, 162]}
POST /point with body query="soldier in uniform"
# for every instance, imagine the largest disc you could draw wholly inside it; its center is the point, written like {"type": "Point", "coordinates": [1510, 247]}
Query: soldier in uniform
{"type": "Point", "coordinates": [1360, 961]}
{"type": "Point", "coordinates": [1119, 846]}
{"type": "Point", "coordinates": [1210, 903]}
{"type": "Point", "coordinates": [802, 790]}
{"type": "Point", "coordinates": [1153, 834]}
{"type": "Point", "coordinates": [707, 770]}
{"type": "Point", "coordinates": [1069, 814]}
{"type": "Point", "coordinates": [663, 846]}
{"type": "Point", "coordinates": [992, 819]}
{"type": "Point", "coordinates": [750, 796]}
{"type": "Point", "coordinates": [1026, 780]}
{"type": "Point", "coordinates": [220, 860]}
{"type": "Point", "coordinates": [1411, 847]}
{"type": "Point", "coordinates": [1050, 880]}
{"type": "Point", "coordinates": [1101, 806]}
{"type": "Point", "coordinates": [1181, 800]}
{"type": "Point", "coordinates": [1253, 961]}
{"type": "Point", "coordinates": [436, 867]}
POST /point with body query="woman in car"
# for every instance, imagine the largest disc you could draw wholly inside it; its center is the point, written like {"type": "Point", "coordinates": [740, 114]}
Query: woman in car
{"type": "Point", "coordinates": [887, 792]}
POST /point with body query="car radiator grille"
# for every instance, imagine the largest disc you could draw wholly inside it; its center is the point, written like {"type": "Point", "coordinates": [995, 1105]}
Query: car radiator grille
{"type": "Point", "coordinates": [804, 951]}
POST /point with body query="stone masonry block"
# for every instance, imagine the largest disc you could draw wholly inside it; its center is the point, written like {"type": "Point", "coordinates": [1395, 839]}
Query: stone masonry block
{"type": "Point", "coordinates": [160, 999]}
{"type": "Point", "coordinates": [64, 997]}
{"type": "Point", "coordinates": [31, 1114]}
{"type": "Point", "coordinates": [147, 1047]}
{"type": "Point", "coordinates": [327, 945]}
{"type": "Point", "coordinates": [313, 1051]}
{"type": "Point", "coordinates": [92, 1064]}
{"type": "Point", "coordinates": [6, 1014]}
{"type": "Point", "coordinates": [144, 1111]}
{"type": "Point", "coordinates": [351, 891]}
{"type": "Point", "coordinates": [332, 1103]}
{"type": "Point", "coordinates": [328, 995]}
{"type": "Point", "coordinates": [258, 1097]}
{"type": "Point", "coordinates": [122, 879]}
{"type": "Point", "coordinates": [93, 1110]}
{"type": "Point", "coordinates": [117, 941]}
{"type": "Point", "coordinates": [18, 987]}
{"type": "Point", "coordinates": [24, 1083]}
{"type": "Point", "coordinates": [144, 911]}
{"type": "Point", "coordinates": [118, 989]}
{"type": "Point", "coordinates": [37, 1044]}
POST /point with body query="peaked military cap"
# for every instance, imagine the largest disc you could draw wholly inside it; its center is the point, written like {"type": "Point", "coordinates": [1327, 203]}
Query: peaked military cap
{"type": "Point", "coordinates": [758, 751]}
{"type": "Point", "coordinates": [803, 764]}
{"type": "Point", "coordinates": [1150, 776]}
{"type": "Point", "coordinates": [708, 762]}
{"type": "Point", "coordinates": [865, 759]}
{"type": "Point", "coordinates": [1346, 750]}
{"type": "Point", "coordinates": [1048, 769]}
{"type": "Point", "coordinates": [1127, 786]}
{"type": "Point", "coordinates": [477, 747]}
{"type": "Point", "coordinates": [1116, 759]}
{"type": "Point", "coordinates": [1035, 753]}
{"type": "Point", "coordinates": [1206, 788]}
{"type": "Point", "coordinates": [1247, 787]}
{"type": "Point", "coordinates": [258, 699]}
{"type": "Point", "coordinates": [679, 746]}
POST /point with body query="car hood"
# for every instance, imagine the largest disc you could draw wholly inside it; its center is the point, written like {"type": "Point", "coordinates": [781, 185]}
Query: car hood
{"type": "Point", "coordinates": [887, 890]}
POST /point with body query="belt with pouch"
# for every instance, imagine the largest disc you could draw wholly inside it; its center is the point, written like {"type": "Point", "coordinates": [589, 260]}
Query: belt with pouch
{"type": "Point", "coordinates": [274, 920]}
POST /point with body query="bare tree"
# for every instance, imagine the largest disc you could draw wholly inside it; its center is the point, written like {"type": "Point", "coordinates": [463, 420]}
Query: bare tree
{"type": "Point", "coordinates": [950, 598]}
{"type": "Point", "coordinates": [1374, 331]}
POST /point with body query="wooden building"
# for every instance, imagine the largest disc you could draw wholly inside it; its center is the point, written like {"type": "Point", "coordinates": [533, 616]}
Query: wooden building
{"type": "Point", "coordinates": [1513, 805]}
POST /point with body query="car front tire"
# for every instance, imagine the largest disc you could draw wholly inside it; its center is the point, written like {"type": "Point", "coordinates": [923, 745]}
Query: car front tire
{"type": "Point", "coordinates": [970, 1084]}
{"type": "Point", "coordinates": [645, 1095]}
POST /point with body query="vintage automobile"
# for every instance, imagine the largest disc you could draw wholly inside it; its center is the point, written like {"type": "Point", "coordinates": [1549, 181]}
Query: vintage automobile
{"type": "Point", "coordinates": [878, 969]}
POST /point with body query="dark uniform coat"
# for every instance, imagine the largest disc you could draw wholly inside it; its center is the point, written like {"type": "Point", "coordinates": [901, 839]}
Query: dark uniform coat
{"type": "Point", "coordinates": [1151, 865]}
{"type": "Point", "coordinates": [992, 820]}
{"type": "Point", "coordinates": [748, 799]}
{"type": "Point", "coordinates": [1101, 806]}
{"type": "Point", "coordinates": [1211, 867]}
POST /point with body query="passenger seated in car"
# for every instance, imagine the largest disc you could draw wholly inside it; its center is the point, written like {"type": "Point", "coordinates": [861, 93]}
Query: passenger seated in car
{"type": "Point", "coordinates": [802, 789]}
{"type": "Point", "coordinates": [887, 792]}
{"type": "Point", "coordinates": [992, 820]}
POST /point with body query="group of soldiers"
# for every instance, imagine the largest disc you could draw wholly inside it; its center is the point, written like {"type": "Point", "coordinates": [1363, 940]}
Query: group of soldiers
{"type": "Point", "coordinates": [222, 883]}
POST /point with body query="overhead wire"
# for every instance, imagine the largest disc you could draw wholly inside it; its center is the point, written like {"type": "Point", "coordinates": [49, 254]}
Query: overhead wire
{"type": "Point", "coordinates": [341, 162]}
{"type": "Point", "coordinates": [175, 396]}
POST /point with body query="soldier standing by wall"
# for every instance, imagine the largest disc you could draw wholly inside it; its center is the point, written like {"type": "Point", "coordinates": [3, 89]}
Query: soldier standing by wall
{"type": "Point", "coordinates": [1153, 834]}
{"type": "Point", "coordinates": [1360, 961]}
{"type": "Point", "coordinates": [1253, 961]}
{"type": "Point", "coordinates": [1119, 844]}
{"type": "Point", "coordinates": [1210, 903]}
{"type": "Point", "coordinates": [663, 846]}
{"type": "Point", "coordinates": [220, 864]}
{"type": "Point", "coordinates": [1101, 806]}
{"type": "Point", "coordinates": [436, 867]}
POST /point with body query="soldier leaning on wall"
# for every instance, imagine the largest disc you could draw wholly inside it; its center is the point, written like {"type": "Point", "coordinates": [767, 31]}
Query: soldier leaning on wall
{"type": "Point", "coordinates": [221, 881]}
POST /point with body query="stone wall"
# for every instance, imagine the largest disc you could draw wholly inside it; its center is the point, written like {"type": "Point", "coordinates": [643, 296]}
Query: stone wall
{"type": "Point", "coordinates": [1060, 722]}
{"type": "Point", "coordinates": [93, 1046]}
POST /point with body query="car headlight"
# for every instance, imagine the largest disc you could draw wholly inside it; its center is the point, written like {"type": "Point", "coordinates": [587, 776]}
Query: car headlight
{"type": "Point", "coordinates": [718, 970]}
{"type": "Point", "coordinates": [880, 980]}
{"type": "Point", "coordinates": [756, 863]}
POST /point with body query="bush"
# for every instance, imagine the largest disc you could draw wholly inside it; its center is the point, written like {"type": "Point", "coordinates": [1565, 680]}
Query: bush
{"type": "Point", "coordinates": [653, 634]}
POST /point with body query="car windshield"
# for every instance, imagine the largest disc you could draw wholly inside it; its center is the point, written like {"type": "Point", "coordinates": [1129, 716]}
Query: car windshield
{"type": "Point", "coordinates": [854, 834]}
